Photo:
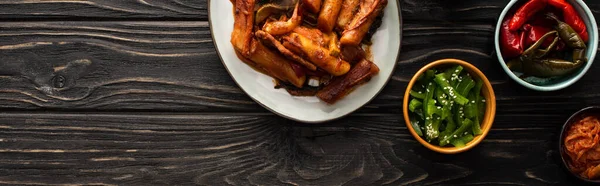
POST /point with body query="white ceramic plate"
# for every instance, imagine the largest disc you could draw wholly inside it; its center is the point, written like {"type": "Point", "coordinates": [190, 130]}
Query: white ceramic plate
{"type": "Point", "coordinates": [385, 49]}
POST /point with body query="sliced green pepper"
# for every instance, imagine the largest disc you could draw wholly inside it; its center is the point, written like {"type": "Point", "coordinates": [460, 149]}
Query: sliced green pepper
{"type": "Point", "coordinates": [481, 107]}
{"type": "Point", "coordinates": [419, 112]}
{"type": "Point", "coordinates": [414, 104]}
{"type": "Point", "coordinates": [475, 107]}
{"type": "Point", "coordinates": [428, 110]}
{"type": "Point", "coordinates": [428, 96]}
{"type": "Point", "coordinates": [465, 85]}
{"type": "Point", "coordinates": [432, 128]}
{"type": "Point", "coordinates": [462, 141]}
{"type": "Point", "coordinates": [416, 94]}
{"type": "Point", "coordinates": [443, 82]}
{"type": "Point", "coordinates": [453, 74]}
{"type": "Point", "coordinates": [450, 127]}
{"type": "Point", "coordinates": [416, 126]}
{"type": "Point", "coordinates": [446, 108]}
{"type": "Point", "coordinates": [471, 107]}
{"type": "Point", "coordinates": [466, 124]}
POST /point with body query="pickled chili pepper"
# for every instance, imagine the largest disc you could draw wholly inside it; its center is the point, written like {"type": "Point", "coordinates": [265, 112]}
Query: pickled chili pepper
{"type": "Point", "coordinates": [534, 33]}
{"type": "Point", "coordinates": [510, 41]}
{"type": "Point", "coordinates": [571, 17]}
{"type": "Point", "coordinates": [525, 12]}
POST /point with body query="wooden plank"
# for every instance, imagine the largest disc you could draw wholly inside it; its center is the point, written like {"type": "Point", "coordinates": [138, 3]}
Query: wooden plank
{"type": "Point", "coordinates": [173, 66]}
{"type": "Point", "coordinates": [217, 149]}
{"type": "Point", "coordinates": [114, 65]}
{"type": "Point", "coordinates": [103, 9]}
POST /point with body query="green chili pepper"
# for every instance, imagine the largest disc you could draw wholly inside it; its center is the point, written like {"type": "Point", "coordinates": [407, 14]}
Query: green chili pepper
{"type": "Point", "coordinates": [428, 110]}
{"type": "Point", "coordinates": [428, 96]}
{"type": "Point", "coordinates": [416, 94]}
{"type": "Point", "coordinates": [481, 107]}
{"type": "Point", "coordinates": [475, 107]}
{"type": "Point", "coordinates": [450, 127]}
{"type": "Point", "coordinates": [445, 109]}
{"type": "Point", "coordinates": [443, 82]}
{"type": "Point", "coordinates": [465, 85]}
{"type": "Point", "coordinates": [432, 128]}
{"type": "Point", "coordinates": [415, 124]}
{"type": "Point", "coordinates": [466, 124]}
{"type": "Point", "coordinates": [419, 112]}
{"type": "Point", "coordinates": [453, 74]}
{"type": "Point", "coordinates": [462, 141]}
{"type": "Point", "coordinates": [471, 107]}
{"type": "Point", "coordinates": [414, 104]}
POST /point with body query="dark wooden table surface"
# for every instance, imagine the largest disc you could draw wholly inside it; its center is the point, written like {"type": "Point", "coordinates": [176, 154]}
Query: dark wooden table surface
{"type": "Point", "coordinates": [132, 92]}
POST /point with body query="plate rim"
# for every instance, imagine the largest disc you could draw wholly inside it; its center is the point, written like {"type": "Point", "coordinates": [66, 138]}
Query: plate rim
{"type": "Point", "coordinates": [400, 25]}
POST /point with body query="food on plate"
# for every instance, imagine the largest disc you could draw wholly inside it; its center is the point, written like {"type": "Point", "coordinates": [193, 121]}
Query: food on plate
{"type": "Point", "coordinates": [362, 21]}
{"type": "Point", "coordinates": [311, 47]}
{"type": "Point", "coordinates": [581, 146]}
{"type": "Point", "coordinates": [447, 107]}
{"type": "Point", "coordinates": [544, 38]}
{"type": "Point", "coordinates": [349, 8]}
{"type": "Point", "coordinates": [313, 6]}
{"type": "Point", "coordinates": [329, 14]}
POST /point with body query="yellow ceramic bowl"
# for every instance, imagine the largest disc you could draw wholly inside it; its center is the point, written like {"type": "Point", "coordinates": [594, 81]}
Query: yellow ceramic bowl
{"type": "Point", "coordinates": [487, 91]}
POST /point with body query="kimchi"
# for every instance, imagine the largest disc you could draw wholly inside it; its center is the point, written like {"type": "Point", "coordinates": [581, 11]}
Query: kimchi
{"type": "Point", "coordinates": [581, 146]}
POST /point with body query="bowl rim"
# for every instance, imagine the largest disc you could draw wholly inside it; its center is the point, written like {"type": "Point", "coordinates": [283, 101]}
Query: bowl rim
{"type": "Point", "coordinates": [561, 85]}
{"type": "Point", "coordinates": [488, 119]}
{"type": "Point", "coordinates": [561, 150]}
{"type": "Point", "coordinates": [304, 121]}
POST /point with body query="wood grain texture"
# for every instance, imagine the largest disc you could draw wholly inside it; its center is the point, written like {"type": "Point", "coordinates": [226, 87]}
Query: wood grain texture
{"type": "Point", "coordinates": [173, 66]}
{"type": "Point", "coordinates": [107, 92]}
{"type": "Point", "coordinates": [209, 149]}
{"type": "Point", "coordinates": [103, 9]}
{"type": "Point", "coordinates": [114, 65]}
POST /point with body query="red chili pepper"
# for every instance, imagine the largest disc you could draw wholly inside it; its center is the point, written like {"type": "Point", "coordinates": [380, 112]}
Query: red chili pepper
{"type": "Point", "coordinates": [571, 17]}
{"type": "Point", "coordinates": [525, 12]}
{"type": "Point", "coordinates": [510, 41]}
{"type": "Point", "coordinates": [533, 33]}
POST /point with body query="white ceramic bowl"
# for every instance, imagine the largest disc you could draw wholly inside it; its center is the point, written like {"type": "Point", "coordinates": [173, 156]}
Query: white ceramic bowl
{"type": "Point", "coordinates": [552, 84]}
{"type": "Point", "coordinates": [385, 48]}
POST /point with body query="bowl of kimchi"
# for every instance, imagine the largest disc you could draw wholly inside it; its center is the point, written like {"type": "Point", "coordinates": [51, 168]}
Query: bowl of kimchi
{"type": "Point", "coordinates": [579, 145]}
{"type": "Point", "coordinates": [308, 60]}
